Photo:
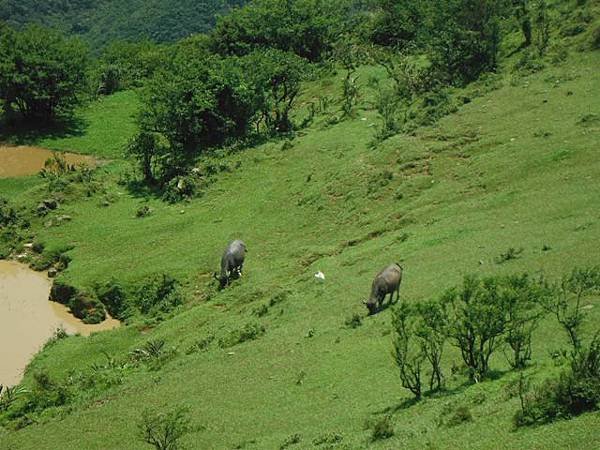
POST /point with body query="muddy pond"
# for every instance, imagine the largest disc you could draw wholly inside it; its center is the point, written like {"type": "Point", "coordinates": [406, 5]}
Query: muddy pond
{"type": "Point", "coordinates": [28, 319]}
{"type": "Point", "coordinates": [18, 161]}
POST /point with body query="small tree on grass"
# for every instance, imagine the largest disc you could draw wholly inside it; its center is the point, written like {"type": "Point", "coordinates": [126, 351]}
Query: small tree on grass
{"type": "Point", "coordinates": [477, 322]}
{"type": "Point", "coordinates": [432, 332]}
{"type": "Point", "coordinates": [565, 303]}
{"type": "Point", "coordinates": [407, 352]}
{"type": "Point", "coordinates": [350, 55]}
{"type": "Point", "coordinates": [42, 72]}
{"type": "Point", "coordinates": [521, 299]}
{"type": "Point", "coordinates": [164, 430]}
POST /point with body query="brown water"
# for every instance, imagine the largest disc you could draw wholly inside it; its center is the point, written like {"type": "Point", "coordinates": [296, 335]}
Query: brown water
{"type": "Point", "coordinates": [28, 319]}
{"type": "Point", "coordinates": [22, 160]}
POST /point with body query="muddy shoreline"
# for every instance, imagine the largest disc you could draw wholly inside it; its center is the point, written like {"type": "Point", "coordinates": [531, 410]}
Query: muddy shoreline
{"type": "Point", "coordinates": [21, 160]}
{"type": "Point", "coordinates": [28, 319]}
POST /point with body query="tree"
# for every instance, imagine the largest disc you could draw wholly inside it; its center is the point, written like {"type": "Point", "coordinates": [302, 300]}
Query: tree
{"type": "Point", "coordinates": [477, 322]}
{"type": "Point", "coordinates": [197, 101]}
{"type": "Point", "coordinates": [307, 28]}
{"type": "Point", "coordinates": [565, 303]}
{"type": "Point", "coordinates": [432, 331]}
{"type": "Point", "coordinates": [276, 77]}
{"type": "Point", "coordinates": [164, 430]}
{"type": "Point", "coordinates": [43, 72]}
{"type": "Point", "coordinates": [521, 299]}
{"type": "Point", "coordinates": [407, 353]}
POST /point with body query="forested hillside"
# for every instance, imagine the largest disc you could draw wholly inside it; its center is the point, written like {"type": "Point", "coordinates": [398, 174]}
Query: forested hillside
{"type": "Point", "coordinates": [103, 21]}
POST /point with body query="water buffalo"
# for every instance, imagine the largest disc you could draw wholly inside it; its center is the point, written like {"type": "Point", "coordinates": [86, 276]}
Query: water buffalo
{"type": "Point", "coordinates": [232, 262]}
{"type": "Point", "coordinates": [386, 282]}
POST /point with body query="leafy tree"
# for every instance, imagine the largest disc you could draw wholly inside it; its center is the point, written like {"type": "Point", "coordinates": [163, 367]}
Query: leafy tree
{"type": "Point", "coordinates": [432, 332]}
{"type": "Point", "coordinates": [396, 23]}
{"type": "Point", "coordinates": [198, 99]}
{"type": "Point", "coordinates": [125, 65]}
{"type": "Point", "coordinates": [521, 298]}
{"type": "Point", "coordinates": [43, 72]}
{"type": "Point", "coordinates": [566, 303]}
{"type": "Point", "coordinates": [407, 353]}
{"type": "Point", "coordinates": [477, 322]}
{"type": "Point", "coordinates": [164, 430]}
{"type": "Point", "coordinates": [276, 78]}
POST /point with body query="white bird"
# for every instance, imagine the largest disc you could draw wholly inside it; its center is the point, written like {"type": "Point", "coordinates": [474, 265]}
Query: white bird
{"type": "Point", "coordinates": [320, 276]}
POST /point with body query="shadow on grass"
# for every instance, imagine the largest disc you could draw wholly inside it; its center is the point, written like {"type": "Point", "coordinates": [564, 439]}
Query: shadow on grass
{"type": "Point", "coordinates": [21, 132]}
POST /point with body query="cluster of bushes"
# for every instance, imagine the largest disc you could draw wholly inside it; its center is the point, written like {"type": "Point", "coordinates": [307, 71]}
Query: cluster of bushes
{"type": "Point", "coordinates": [199, 100]}
{"type": "Point", "coordinates": [42, 73]}
{"type": "Point", "coordinates": [485, 315]}
{"type": "Point", "coordinates": [12, 224]}
{"type": "Point", "coordinates": [153, 297]}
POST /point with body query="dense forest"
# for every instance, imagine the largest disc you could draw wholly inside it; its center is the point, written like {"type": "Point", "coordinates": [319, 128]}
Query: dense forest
{"type": "Point", "coordinates": [102, 21]}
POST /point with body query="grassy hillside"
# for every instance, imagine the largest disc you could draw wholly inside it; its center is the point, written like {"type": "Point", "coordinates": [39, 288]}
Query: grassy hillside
{"type": "Point", "coordinates": [516, 167]}
{"type": "Point", "coordinates": [100, 22]}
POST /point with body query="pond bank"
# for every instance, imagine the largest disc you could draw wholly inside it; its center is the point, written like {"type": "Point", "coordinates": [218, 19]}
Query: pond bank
{"type": "Point", "coordinates": [28, 319]}
{"type": "Point", "coordinates": [18, 161]}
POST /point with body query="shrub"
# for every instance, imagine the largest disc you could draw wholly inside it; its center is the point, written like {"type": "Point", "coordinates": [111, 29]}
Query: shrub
{"type": "Point", "coordinates": [432, 331]}
{"type": "Point", "coordinates": [62, 292]}
{"type": "Point", "coordinates": [568, 294]}
{"type": "Point", "coordinates": [575, 391]}
{"type": "Point", "coordinates": [143, 211]}
{"type": "Point", "coordinates": [354, 321]}
{"type": "Point", "coordinates": [510, 254]}
{"type": "Point", "coordinates": [9, 395]}
{"type": "Point", "coordinates": [154, 353]}
{"type": "Point", "coordinates": [382, 429]}
{"type": "Point", "coordinates": [87, 307]}
{"type": "Point", "coordinates": [114, 297]}
{"type": "Point", "coordinates": [521, 298]}
{"type": "Point", "coordinates": [248, 332]}
{"type": "Point", "coordinates": [157, 294]}
{"type": "Point", "coordinates": [164, 430]}
{"type": "Point", "coordinates": [461, 415]}
{"type": "Point", "coordinates": [58, 335]}
{"type": "Point", "coordinates": [407, 352]}
{"type": "Point", "coordinates": [594, 40]}
{"type": "Point", "coordinates": [477, 322]}
{"type": "Point", "coordinates": [290, 440]}
{"type": "Point", "coordinates": [46, 393]}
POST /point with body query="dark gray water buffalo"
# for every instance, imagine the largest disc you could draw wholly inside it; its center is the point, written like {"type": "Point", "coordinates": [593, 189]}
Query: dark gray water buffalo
{"type": "Point", "coordinates": [232, 262]}
{"type": "Point", "coordinates": [386, 282]}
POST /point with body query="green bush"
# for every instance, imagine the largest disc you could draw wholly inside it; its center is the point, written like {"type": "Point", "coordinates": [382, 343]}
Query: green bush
{"type": "Point", "coordinates": [575, 391]}
{"type": "Point", "coordinates": [157, 294]}
{"type": "Point", "coordinates": [43, 72]}
{"type": "Point", "coordinates": [477, 322]}
{"type": "Point", "coordinates": [164, 430]}
{"type": "Point", "coordinates": [87, 307]}
{"type": "Point", "coordinates": [248, 332]}
{"type": "Point", "coordinates": [114, 297]}
{"type": "Point", "coordinates": [382, 429]}
{"type": "Point", "coordinates": [62, 292]}
{"type": "Point", "coordinates": [594, 39]}
{"type": "Point", "coordinates": [461, 415]}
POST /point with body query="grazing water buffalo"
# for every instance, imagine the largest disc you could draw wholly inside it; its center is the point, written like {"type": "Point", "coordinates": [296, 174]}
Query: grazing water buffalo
{"type": "Point", "coordinates": [386, 282]}
{"type": "Point", "coordinates": [232, 262]}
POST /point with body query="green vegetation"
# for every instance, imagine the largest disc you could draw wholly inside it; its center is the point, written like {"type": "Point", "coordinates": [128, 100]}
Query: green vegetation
{"type": "Point", "coordinates": [104, 21]}
{"type": "Point", "coordinates": [42, 73]}
{"type": "Point", "coordinates": [281, 359]}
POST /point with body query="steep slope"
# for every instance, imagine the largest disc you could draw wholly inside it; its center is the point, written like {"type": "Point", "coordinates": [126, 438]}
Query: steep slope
{"type": "Point", "coordinates": [101, 21]}
{"type": "Point", "coordinates": [516, 167]}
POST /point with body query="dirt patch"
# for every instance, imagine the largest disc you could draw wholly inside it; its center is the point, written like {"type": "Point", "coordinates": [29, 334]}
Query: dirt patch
{"type": "Point", "coordinates": [18, 161]}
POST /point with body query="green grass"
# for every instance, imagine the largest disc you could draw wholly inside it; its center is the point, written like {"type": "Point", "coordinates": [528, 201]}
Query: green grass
{"type": "Point", "coordinates": [106, 127]}
{"type": "Point", "coordinates": [511, 169]}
